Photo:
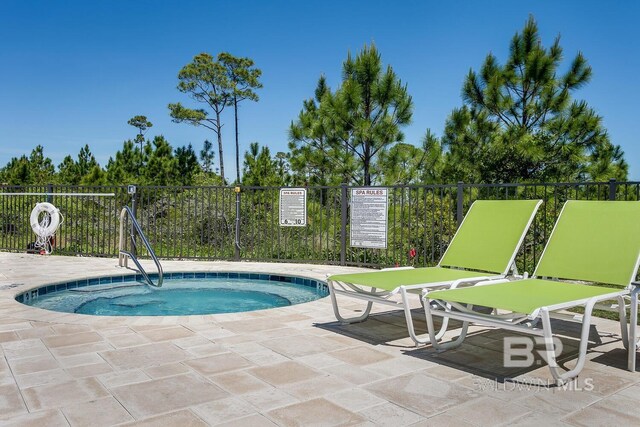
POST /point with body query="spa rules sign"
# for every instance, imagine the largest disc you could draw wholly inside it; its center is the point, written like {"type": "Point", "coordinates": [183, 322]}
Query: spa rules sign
{"type": "Point", "coordinates": [369, 218]}
{"type": "Point", "coordinates": [293, 207]}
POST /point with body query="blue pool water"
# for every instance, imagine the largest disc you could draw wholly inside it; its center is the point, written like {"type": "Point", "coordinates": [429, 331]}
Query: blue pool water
{"type": "Point", "coordinates": [177, 296]}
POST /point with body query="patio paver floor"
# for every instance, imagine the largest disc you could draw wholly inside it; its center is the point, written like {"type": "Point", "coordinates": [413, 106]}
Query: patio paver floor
{"type": "Point", "coordinates": [287, 366]}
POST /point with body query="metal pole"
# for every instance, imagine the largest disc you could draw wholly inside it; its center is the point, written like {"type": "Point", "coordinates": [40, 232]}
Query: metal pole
{"type": "Point", "coordinates": [134, 209]}
{"type": "Point", "coordinates": [237, 240]}
{"type": "Point", "coordinates": [50, 193]}
{"type": "Point", "coordinates": [612, 189]}
{"type": "Point", "coordinates": [459, 203]}
{"type": "Point", "coordinates": [343, 224]}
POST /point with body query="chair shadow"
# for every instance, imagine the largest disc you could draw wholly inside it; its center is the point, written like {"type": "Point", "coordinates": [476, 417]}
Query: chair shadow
{"type": "Point", "coordinates": [384, 328]}
{"type": "Point", "coordinates": [483, 351]}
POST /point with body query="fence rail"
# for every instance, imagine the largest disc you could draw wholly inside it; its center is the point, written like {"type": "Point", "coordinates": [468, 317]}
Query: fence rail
{"type": "Point", "coordinates": [201, 222]}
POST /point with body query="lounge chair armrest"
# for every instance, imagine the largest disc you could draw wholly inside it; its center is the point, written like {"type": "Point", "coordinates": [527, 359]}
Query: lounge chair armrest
{"type": "Point", "coordinates": [492, 282]}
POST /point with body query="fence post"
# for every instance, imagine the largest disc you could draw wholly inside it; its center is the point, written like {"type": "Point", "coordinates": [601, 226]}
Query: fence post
{"type": "Point", "coordinates": [50, 193]}
{"type": "Point", "coordinates": [237, 238]}
{"type": "Point", "coordinates": [613, 186]}
{"type": "Point", "coordinates": [134, 210]}
{"type": "Point", "coordinates": [343, 224]}
{"type": "Point", "coordinates": [459, 203]}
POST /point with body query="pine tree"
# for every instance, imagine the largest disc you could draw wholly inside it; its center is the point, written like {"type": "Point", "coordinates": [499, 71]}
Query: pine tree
{"type": "Point", "coordinates": [244, 78]}
{"type": "Point", "coordinates": [206, 82]}
{"type": "Point", "coordinates": [519, 122]}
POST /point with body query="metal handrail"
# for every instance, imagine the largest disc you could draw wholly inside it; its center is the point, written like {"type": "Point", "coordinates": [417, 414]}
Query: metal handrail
{"type": "Point", "coordinates": [123, 255]}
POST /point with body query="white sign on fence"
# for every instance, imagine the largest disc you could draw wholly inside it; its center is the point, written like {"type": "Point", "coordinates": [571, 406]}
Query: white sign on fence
{"type": "Point", "coordinates": [293, 207]}
{"type": "Point", "coordinates": [369, 217]}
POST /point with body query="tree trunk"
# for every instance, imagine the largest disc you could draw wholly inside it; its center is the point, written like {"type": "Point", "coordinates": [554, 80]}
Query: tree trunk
{"type": "Point", "coordinates": [219, 132]}
{"type": "Point", "coordinates": [366, 162]}
{"type": "Point", "coordinates": [235, 113]}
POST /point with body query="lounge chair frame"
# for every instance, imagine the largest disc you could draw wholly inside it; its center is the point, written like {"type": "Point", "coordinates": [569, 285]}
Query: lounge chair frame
{"type": "Point", "coordinates": [634, 341]}
{"type": "Point", "coordinates": [527, 323]}
{"type": "Point", "coordinates": [384, 297]}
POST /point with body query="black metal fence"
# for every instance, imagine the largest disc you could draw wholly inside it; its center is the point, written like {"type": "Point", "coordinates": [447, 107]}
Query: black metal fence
{"type": "Point", "coordinates": [201, 222]}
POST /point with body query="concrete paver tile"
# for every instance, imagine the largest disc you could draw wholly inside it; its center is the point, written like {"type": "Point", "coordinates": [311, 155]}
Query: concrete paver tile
{"type": "Point", "coordinates": [389, 414]}
{"type": "Point", "coordinates": [182, 418]}
{"type": "Point", "coordinates": [166, 334]}
{"type": "Point", "coordinates": [239, 382]}
{"type": "Point", "coordinates": [613, 410]}
{"type": "Point", "coordinates": [420, 393]}
{"type": "Point", "coordinates": [49, 418]}
{"type": "Point", "coordinates": [317, 412]}
{"type": "Point", "coordinates": [355, 399]}
{"type": "Point", "coordinates": [218, 363]}
{"type": "Point", "coordinates": [255, 420]}
{"type": "Point", "coordinates": [62, 394]}
{"type": "Point", "coordinates": [116, 379]}
{"type": "Point", "coordinates": [144, 356]}
{"type": "Point", "coordinates": [28, 365]}
{"type": "Point", "coordinates": [167, 370]}
{"type": "Point", "coordinates": [284, 373]}
{"type": "Point", "coordinates": [222, 410]}
{"type": "Point", "coordinates": [166, 394]}
{"type": "Point", "coordinates": [71, 339]}
{"type": "Point", "coordinates": [95, 413]}
{"type": "Point", "coordinates": [11, 403]}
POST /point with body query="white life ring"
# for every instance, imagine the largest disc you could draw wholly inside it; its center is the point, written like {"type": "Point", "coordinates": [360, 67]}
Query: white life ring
{"type": "Point", "coordinates": [45, 229]}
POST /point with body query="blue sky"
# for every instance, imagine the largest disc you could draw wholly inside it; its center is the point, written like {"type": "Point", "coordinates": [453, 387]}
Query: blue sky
{"type": "Point", "coordinates": [74, 72]}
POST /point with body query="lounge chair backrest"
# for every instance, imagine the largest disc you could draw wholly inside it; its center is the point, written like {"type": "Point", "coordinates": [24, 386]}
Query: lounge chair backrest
{"type": "Point", "coordinates": [490, 235]}
{"type": "Point", "coordinates": [594, 241]}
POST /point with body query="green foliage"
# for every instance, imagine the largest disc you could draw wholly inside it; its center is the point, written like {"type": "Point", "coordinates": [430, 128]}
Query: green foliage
{"type": "Point", "coordinates": [161, 168]}
{"type": "Point", "coordinates": [141, 123]}
{"type": "Point", "coordinates": [354, 124]}
{"type": "Point", "coordinates": [186, 165]}
{"type": "Point", "coordinates": [316, 157]}
{"type": "Point", "coordinates": [407, 164]}
{"type": "Point", "coordinates": [128, 165]}
{"type": "Point", "coordinates": [206, 156]}
{"type": "Point", "coordinates": [95, 176]}
{"type": "Point", "coordinates": [369, 108]}
{"type": "Point", "coordinates": [519, 123]}
{"type": "Point", "coordinates": [260, 169]}
{"type": "Point", "coordinates": [74, 172]}
{"type": "Point", "coordinates": [35, 169]}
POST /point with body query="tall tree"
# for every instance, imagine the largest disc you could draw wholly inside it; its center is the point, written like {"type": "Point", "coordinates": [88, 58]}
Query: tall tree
{"type": "Point", "coordinates": [244, 78]}
{"type": "Point", "coordinates": [518, 121]}
{"type": "Point", "coordinates": [407, 164]}
{"type": "Point", "coordinates": [41, 167]}
{"type": "Point", "coordinates": [142, 124]}
{"type": "Point", "coordinates": [207, 156]}
{"type": "Point", "coordinates": [315, 154]}
{"type": "Point", "coordinates": [260, 169]}
{"type": "Point", "coordinates": [72, 172]}
{"type": "Point", "coordinates": [35, 169]}
{"type": "Point", "coordinates": [369, 108]}
{"type": "Point", "coordinates": [125, 167]}
{"type": "Point", "coordinates": [186, 165]}
{"type": "Point", "coordinates": [162, 166]}
{"type": "Point", "coordinates": [205, 81]}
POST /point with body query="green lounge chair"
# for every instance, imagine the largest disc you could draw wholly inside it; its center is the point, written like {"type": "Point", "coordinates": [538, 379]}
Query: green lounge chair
{"type": "Point", "coordinates": [596, 242]}
{"type": "Point", "coordinates": [483, 248]}
{"type": "Point", "coordinates": [633, 329]}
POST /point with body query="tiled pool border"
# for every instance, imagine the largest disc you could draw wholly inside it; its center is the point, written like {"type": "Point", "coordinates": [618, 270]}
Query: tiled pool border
{"type": "Point", "coordinates": [30, 294]}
